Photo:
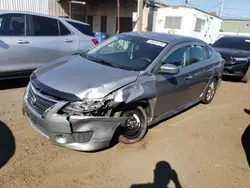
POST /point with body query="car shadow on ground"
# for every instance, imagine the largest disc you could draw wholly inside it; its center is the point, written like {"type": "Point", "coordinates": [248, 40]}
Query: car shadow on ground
{"type": "Point", "coordinates": [163, 174]}
{"type": "Point", "coordinates": [230, 79]}
{"type": "Point", "coordinates": [245, 140]}
{"type": "Point", "coordinates": [13, 83]}
{"type": "Point", "coordinates": [174, 115]}
{"type": "Point", "coordinates": [7, 144]}
{"type": "Point", "coordinates": [115, 139]}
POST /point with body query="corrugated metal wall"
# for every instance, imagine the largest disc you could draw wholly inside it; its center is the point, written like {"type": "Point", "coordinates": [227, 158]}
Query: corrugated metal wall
{"type": "Point", "coordinates": [58, 9]}
{"type": "Point", "coordinates": [38, 6]}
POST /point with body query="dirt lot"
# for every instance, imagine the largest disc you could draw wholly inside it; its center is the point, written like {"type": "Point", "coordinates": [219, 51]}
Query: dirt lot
{"type": "Point", "coordinates": [202, 145]}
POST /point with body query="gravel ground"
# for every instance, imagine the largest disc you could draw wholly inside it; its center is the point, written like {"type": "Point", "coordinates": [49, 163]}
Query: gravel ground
{"type": "Point", "coordinates": [200, 147]}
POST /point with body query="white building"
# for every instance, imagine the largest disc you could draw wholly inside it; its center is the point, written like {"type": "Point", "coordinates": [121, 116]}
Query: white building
{"type": "Point", "coordinates": [189, 22]}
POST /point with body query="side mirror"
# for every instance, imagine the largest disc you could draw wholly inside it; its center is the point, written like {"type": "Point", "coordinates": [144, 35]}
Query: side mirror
{"type": "Point", "coordinates": [170, 69]}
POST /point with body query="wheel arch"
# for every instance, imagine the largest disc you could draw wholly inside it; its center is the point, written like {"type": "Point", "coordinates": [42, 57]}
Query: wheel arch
{"type": "Point", "coordinates": [147, 104]}
{"type": "Point", "coordinates": [216, 77]}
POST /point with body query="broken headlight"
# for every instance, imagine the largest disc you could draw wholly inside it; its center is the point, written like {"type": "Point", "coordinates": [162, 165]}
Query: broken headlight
{"type": "Point", "coordinates": [83, 106]}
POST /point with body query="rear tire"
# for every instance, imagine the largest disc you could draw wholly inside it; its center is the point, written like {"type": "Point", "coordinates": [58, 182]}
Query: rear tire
{"type": "Point", "coordinates": [210, 92]}
{"type": "Point", "coordinates": [136, 126]}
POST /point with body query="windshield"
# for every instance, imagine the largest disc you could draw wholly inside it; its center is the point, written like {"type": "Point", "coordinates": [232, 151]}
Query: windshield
{"type": "Point", "coordinates": [239, 43]}
{"type": "Point", "coordinates": [126, 52]}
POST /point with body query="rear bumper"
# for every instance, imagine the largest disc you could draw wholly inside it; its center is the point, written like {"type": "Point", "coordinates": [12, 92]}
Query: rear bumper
{"type": "Point", "coordinates": [81, 133]}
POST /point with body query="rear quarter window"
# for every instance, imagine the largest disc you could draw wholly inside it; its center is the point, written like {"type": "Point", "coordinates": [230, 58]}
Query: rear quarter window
{"type": "Point", "coordinates": [210, 51]}
{"type": "Point", "coordinates": [64, 30]}
{"type": "Point", "coordinates": [84, 29]}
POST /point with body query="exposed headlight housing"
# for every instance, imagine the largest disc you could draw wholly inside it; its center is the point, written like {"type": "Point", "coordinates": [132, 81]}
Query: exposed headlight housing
{"type": "Point", "coordinates": [88, 105]}
{"type": "Point", "coordinates": [240, 58]}
{"type": "Point", "coordinates": [83, 106]}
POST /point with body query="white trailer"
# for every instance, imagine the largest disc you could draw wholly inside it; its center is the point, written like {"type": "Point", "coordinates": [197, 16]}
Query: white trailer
{"type": "Point", "coordinates": [189, 22]}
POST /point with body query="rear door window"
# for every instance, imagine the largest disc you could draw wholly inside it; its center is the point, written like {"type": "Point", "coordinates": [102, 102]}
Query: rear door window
{"type": "Point", "coordinates": [198, 54]}
{"type": "Point", "coordinates": [43, 26]}
{"type": "Point", "coordinates": [83, 28]}
{"type": "Point", "coordinates": [12, 25]}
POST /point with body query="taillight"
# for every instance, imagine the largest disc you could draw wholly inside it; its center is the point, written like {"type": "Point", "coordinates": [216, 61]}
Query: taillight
{"type": "Point", "coordinates": [95, 41]}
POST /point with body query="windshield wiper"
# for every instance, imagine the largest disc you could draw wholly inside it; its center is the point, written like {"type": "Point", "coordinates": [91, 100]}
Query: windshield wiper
{"type": "Point", "coordinates": [83, 55]}
{"type": "Point", "coordinates": [104, 62]}
{"type": "Point", "coordinates": [109, 63]}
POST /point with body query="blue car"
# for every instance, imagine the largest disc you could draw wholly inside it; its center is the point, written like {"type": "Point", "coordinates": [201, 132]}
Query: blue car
{"type": "Point", "coordinates": [101, 36]}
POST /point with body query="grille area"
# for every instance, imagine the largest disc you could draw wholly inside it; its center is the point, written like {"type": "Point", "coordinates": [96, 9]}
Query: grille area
{"type": "Point", "coordinates": [39, 102]}
{"type": "Point", "coordinates": [228, 60]}
{"type": "Point", "coordinates": [82, 137]}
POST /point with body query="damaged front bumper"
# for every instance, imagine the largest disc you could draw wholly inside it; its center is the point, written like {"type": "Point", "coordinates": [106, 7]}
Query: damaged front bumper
{"type": "Point", "coordinates": [83, 133]}
{"type": "Point", "coordinates": [236, 70]}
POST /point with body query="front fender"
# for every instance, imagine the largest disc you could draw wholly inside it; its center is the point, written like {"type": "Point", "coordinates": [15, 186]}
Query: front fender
{"type": "Point", "coordinates": [143, 88]}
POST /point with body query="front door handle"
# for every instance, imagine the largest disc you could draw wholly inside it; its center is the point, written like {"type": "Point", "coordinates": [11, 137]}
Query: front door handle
{"type": "Point", "coordinates": [68, 41]}
{"type": "Point", "coordinates": [23, 42]}
{"type": "Point", "coordinates": [189, 77]}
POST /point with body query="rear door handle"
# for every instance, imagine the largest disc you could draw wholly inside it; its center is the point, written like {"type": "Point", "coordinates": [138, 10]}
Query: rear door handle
{"type": "Point", "coordinates": [23, 42]}
{"type": "Point", "coordinates": [68, 41]}
{"type": "Point", "coordinates": [189, 77]}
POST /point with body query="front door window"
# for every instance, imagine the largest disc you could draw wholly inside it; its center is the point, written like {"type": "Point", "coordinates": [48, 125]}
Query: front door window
{"type": "Point", "coordinates": [12, 25]}
{"type": "Point", "coordinates": [180, 57]}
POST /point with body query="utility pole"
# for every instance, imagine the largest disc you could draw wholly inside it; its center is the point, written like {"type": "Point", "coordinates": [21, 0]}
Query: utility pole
{"type": "Point", "coordinates": [221, 7]}
{"type": "Point", "coordinates": [139, 15]}
{"type": "Point", "coordinates": [151, 10]}
{"type": "Point", "coordinates": [118, 17]}
{"type": "Point", "coordinates": [70, 9]}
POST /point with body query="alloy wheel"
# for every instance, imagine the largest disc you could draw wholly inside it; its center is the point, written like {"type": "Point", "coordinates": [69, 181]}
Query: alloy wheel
{"type": "Point", "coordinates": [210, 91]}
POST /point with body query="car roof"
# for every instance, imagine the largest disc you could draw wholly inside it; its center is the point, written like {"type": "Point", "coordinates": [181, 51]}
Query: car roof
{"type": "Point", "coordinates": [236, 37]}
{"type": "Point", "coordinates": [39, 14]}
{"type": "Point", "coordinates": [164, 37]}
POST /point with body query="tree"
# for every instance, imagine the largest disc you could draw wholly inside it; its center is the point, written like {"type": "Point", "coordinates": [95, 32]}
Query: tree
{"type": "Point", "coordinates": [213, 13]}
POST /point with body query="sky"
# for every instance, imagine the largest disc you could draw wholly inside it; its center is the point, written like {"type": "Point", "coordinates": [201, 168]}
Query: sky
{"type": "Point", "coordinates": [232, 8]}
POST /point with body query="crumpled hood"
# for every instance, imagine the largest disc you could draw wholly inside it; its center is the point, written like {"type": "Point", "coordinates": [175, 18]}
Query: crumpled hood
{"type": "Point", "coordinates": [75, 75]}
{"type": "Point", "coordinates": [227, 53]}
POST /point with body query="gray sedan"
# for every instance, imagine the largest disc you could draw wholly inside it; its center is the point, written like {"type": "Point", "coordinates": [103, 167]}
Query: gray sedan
{"type": "Point", "coordinates": [120, 88]}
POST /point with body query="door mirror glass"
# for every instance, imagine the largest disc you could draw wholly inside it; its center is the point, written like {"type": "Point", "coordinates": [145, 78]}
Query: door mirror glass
{"type": "Point", "coordinates": [169, 69]}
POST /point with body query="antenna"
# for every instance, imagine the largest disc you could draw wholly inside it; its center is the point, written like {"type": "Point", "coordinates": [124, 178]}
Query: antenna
{"type": "Point", "coordinates": [221, 7]}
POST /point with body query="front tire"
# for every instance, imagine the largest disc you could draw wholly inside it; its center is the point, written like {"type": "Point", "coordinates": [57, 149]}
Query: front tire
{"type": "Point", "coordinates": [136, 126]}
{"type": "Point", "coordinates": [210, 92]}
